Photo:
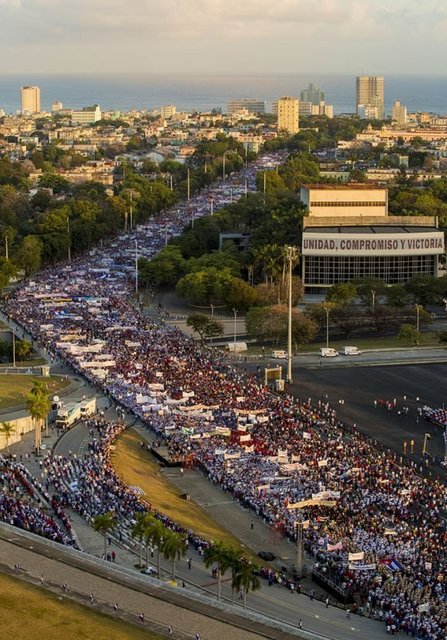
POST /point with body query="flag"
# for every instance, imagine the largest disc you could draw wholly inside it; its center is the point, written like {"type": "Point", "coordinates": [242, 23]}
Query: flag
{"type": "Point", "coordinates": [422, 608]}
{"type": "Point", "coordinates": [335, 547]}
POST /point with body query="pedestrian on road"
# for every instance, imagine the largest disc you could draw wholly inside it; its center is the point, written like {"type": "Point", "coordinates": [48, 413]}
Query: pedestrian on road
{"type": "Point", "coordinates": [189, 563]}
{"type": "Point", "coordinates": [91, 598]}
{"type": "Point", "coordinates": [348, 614]}
{"type": "Point", "coordinates": [197, 637]}
{"type": "Point", "coordinates": [327, 602]}
{"type": "Point", "coordinates": [300, 624]}
{"type": "Point", "coordinates": [115, 606]}
{"type": "Point", "coordinates": [170, 629]}
{"type": "Point", "coordinates": [141, 616]}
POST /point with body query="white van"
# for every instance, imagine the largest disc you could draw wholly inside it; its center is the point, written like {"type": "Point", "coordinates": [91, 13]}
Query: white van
{"type": "Point", "coordinates": [279, 354]}
{"type": "Point", "coordinates": [328, 352]}
{"type": "Point", "coordinates": [351, 351]}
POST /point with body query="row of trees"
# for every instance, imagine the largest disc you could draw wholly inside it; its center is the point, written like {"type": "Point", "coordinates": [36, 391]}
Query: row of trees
{"type": "Point", "coordinates": [152, 534]}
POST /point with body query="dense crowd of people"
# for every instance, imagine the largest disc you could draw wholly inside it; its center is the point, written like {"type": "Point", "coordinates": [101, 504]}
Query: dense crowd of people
{"type": "Point", "coordinates": [375, 527]}
{"type": "Point", "coordinates": [25, 503]}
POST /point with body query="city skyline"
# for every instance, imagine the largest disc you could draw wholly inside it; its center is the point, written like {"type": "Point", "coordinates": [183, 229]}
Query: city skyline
{"type": "Point", "coordinates": [47, 36]}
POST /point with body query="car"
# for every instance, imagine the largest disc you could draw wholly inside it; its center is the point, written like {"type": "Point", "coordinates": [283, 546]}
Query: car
{"type": "Point", "coordinates": [149, 571]}
{"type": "Point", "coordinates": [279, 354]}
{"type": "Point", "coordinates": [268, 556]}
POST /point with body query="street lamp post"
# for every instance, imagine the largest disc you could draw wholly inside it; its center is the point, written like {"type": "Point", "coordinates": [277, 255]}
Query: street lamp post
{"type": "Point", "coordinates": [373, 299]}
{"type": "Point", "coordinates": [234, 331]}
{"type": "Point", "coordinates": [13, 349]}
{"type": "Point", "coordinates": [188, 185]}
{"type": "Point", "coordinates": [327, 309]}
{"type": "Point", "coordinates": [223, 164]}
{"type": "Point", "coordinates": [69, 240]}
{"type": "Point", "coordinates": [417, 317]}
{"type": "Point", "coordinates": [136, 267]}
{"type": "Point", "coordinates": [291, 256]}
{"type": "Point", "coordinates": [299, 544]}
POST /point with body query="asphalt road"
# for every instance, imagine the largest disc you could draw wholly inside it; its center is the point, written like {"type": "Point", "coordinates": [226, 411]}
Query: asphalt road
{"type": "Point", "coordinates": [359, 382]}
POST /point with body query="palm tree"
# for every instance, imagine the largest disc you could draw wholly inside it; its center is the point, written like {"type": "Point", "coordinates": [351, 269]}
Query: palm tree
{"type": "Point", "coordinates": [154, 534]}
{"type": "Point", "coordinates": [138, 531]}
{"type": "Point", "coordinates": [173, 548]}
{"type": "Point", "coordinates": [246, 579]}
{"type": "Point", "coordinates": [221, 555]}
{"type": "Point", "coordinates": [7, 429]}
{"type": "Point", "coordinates": [37, 408]}
{"type": "Point", "coordinates": [233, 558]}
{"type": "Point", "coordinates": [40, 389]}
{"type": "Point", "coordinates": [103, 523]}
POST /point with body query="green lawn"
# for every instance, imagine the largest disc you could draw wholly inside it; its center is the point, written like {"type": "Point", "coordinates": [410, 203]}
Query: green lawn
{"type": "Point", "coordinates": [136, 468]}
{"type": "Point", "coordinates": [29, 613]}
{"type": "Point", "coordinates": [14, 388]}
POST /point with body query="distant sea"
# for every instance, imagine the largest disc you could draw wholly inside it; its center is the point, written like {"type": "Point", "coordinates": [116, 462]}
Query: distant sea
{"type": "Point", "coordinates": [204, 92]}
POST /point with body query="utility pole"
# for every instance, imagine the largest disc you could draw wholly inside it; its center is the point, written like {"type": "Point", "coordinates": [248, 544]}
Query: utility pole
{"type": "Point", "coordinates": [327, 309]}
{"type": "Point", "coordinates": [69, 239]}
{"type": "Point", "coordinates": [13, 349]}
{"type": "Point", "coordinates": [136, 267]}
{"type": "Point", "coordinates": [188, 183]}
{"type": "Point", "coordinates": [299, 544]}
{"type": "Point", "coordinates": [373, 299]}
{"type": "Point", "coordinates": [291, 256]}
{"type": "Point", "coordinates": [246, 188]}
{"type": "Point", "coordinates": [234, 331]}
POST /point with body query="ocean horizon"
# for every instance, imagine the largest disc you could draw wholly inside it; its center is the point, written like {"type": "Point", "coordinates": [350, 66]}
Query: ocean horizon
{"type": "Point", "coordinates": [123, 92]}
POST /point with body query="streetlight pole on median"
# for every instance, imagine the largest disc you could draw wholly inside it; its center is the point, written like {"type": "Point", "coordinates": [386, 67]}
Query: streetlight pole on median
{"type": "Point", "coordinates": [291, 256]}
{"type": "Point", "coordinates": [234, 332]}
{"type": "Point", "coordinates": [327, 309]}
{"type": "Point", "coordinates": [299, 544]}
{"type": "Point", "coordinates": [188, 185]}
{"type": "Point", "coordinates": [373, 299]}
{"type": "Point", "coordinates": [136, 267]}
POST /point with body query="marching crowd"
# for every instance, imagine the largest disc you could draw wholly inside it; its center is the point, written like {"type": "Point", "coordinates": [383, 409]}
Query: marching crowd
{"type": "Point", "coordinates": [374, 527]}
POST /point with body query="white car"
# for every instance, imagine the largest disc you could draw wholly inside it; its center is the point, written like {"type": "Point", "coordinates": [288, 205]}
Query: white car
{"type": "Point", "coordinates": [351, 351]}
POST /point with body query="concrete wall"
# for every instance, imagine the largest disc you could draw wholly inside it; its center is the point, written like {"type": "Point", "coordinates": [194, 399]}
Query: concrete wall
{"type": "Point", "coordinates": [22, 425]}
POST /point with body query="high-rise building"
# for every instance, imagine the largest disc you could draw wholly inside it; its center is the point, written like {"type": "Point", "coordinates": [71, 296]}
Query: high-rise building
{"type": "Point", "coordinates": [167, 111]}
{"type": "Point", "coordinates": [312, 94]}
{"type": "Point", "coordinates": [399, 113]}
{"type": "Point", "coordinates": [57, 106]}
{"type": "Point", "coordinates": [30, 100]}
{"type": "Point", "coordinates": [371, 96]}
{"type": "Point", "coordinates": [288, 114]}
{"type": "Point", "coordinates": [254, 106]}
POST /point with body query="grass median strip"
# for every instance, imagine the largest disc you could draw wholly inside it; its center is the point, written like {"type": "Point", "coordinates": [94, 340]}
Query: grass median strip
{"type": "Point", "coordinates": [137, 468]}
{"type": "Point", "coordinates": [29, 613]}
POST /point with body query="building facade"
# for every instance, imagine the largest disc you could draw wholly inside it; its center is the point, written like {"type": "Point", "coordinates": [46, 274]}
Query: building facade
{"type": "Point", "coordinates": [86, 115]}
{"type": "Point", "coordinates": [370, 96]}
{"type": "Point", "coordinates": [253, 106]}
{"type": "Point", "coordinates": [168, 111]}
{"type": "Point", "coordinates": [348, 234]}
{"type": "Point", "coordinates": [288, 115]}
{"type": "Point", "coordinates": [399, 113]}
{"type": "Point", "coordinates": [30, 100]}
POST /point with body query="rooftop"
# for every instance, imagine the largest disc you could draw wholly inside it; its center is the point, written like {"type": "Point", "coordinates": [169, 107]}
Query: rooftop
{"type": "Point", "coordinates": [344, 187]}
{"type": "Point", "coordinates": [371, 229]}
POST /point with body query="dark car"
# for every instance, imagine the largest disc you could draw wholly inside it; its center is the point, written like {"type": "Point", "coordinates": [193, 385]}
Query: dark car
{"type": "Point", "coordinates": [268, 556]}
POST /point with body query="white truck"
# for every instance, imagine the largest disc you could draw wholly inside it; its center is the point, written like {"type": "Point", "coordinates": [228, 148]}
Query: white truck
{"type": "Point", "coordinates": [328, 352]}
{"type": "Point", "coordinates": [71, 412]}
{"type": "Point", "coordinates": [351, 351]}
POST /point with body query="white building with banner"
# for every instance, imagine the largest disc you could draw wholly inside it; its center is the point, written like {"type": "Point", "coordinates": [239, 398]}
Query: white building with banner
{"type": "Point", "coordinates": [348, 234]}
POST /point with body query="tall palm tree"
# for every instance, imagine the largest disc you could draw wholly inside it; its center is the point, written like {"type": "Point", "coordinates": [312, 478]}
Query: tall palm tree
{"type": "Point", "coordinates": [221, 555]}
{"type": "Point", "coordinates": [138, 531]}
{"type": "Point", "coordinates": [154, 534]}
{"type": "Point", "coordinates": [234, 559]}
{"type": "Point", "coordinates": [7, 429]}
{"type": "Point", "coordinates": [103, 523]}
{"type": "Point", "coordinates": [40, 389]}
{"type": "Point", "coordinates": [246, 579]}
{"type": "Point", "coordinates": [173, 548]}
{"type": "Point", "coordinates": [37, 408]}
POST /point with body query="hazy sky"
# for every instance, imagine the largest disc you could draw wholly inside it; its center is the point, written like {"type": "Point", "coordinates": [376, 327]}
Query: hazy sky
{"type": "Point", "coordinates": [225, 36]}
